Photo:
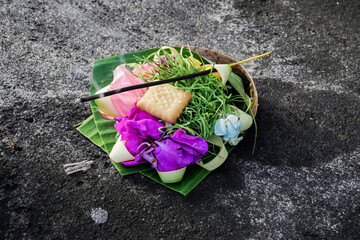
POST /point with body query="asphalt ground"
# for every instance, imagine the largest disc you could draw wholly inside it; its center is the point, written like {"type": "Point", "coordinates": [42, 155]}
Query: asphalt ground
{"type": "Point", "coordinates": [302, 182]}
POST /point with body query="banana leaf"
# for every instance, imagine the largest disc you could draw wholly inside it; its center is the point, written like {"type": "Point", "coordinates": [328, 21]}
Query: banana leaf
{"type": "Point", "coordinates": [103, 133]}
{"type": "Point", "coordinates": [89, 130]}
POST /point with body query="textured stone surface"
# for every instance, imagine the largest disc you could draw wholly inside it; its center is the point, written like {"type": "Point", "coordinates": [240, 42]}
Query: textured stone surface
{"type": "Point", "coordinates": [301, 183]}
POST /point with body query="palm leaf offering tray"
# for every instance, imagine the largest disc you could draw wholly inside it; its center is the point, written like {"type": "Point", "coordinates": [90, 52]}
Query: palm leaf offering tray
{"type": "Point", "coordinates": [174, 132]}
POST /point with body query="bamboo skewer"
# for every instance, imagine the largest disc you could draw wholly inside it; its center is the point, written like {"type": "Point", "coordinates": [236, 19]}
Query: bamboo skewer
{"type": "Point", "coordinates": [249, 59]}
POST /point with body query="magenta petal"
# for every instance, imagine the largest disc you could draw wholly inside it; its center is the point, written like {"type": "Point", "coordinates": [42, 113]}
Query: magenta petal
{"type": "Point", "coordinates": [190, 143]}
{"type": "Point", "coordinates": [131, 142]}
{"type": "Point", "coordinates": [146, 128]}
{"type": "Point", "coordinates": [134, 162]}
{"type": "Point", "coordinates": [139, 123]}
{"type": "Point", "coordinates": [138, 127]}
{"type": "Point", "coordinates": [145, 151]}
{"type": "Point", "coordinates": [120, 124]}
{"type": "Point", "coordinates": [138, 114]}
{"type": "Point", "coordinates": [170, 156]}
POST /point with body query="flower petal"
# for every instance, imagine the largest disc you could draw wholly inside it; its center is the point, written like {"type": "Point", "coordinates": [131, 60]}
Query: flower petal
{"type": "Point", "coordinates": [147, 70]}
{"type": "Point", "coordinates": [124, 102]}
{"type": "Point", "coordinates": [230, 131]}
{"type": "Point", "coordinates": [139, 127]}
{"type": "Point", "coordinates": [170, 156]}
{"type": "Point", "coordinates": [194, 144]}
{"type": "Point", "coordinates": [220, 127]}
{"type": "Point", "coordinates": [234, 121]}
{"type": "Point", "coordinates": [235, 140]}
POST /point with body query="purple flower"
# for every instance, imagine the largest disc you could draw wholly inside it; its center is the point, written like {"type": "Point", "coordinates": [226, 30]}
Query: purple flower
{"type": "Point", "coordinates": [176, 151]}
{"type": "Point", "coordinates": [142, 137]}
{"type": "Point", "coordinates": [137, 128]}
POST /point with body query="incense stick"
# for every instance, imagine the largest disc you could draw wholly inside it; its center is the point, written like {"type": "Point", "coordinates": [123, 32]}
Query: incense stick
{"type": "Point", "coordinates": [143, 85]}
{"type": "Point", "coordinates": [154, 83]}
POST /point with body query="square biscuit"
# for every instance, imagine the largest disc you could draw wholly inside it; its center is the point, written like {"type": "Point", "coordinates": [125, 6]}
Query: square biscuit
{"type": "Point", "coordinates": [165, 102]}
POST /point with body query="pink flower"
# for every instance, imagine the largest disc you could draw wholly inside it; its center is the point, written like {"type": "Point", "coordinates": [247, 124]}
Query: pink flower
{"type": "Point", "coordinates": [124, 102]}
{"type": "Point", "coordinates": [146, 70]}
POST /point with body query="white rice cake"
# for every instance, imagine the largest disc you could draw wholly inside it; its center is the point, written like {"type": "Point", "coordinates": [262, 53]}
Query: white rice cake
{"type": "Point", "coordinates": [165, 102]}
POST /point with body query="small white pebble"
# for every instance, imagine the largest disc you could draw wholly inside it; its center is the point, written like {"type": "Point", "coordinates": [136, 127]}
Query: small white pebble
{"type": "Point", "coordinates": [99, 215]}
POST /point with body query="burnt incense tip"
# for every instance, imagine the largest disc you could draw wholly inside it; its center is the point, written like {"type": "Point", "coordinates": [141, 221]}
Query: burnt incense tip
{"type": "Point", "coordinates": [77, 101]}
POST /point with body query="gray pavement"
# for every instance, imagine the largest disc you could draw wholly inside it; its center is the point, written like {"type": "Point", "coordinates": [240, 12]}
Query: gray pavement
{"type": "Point", "coordinates": [301, 183]}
